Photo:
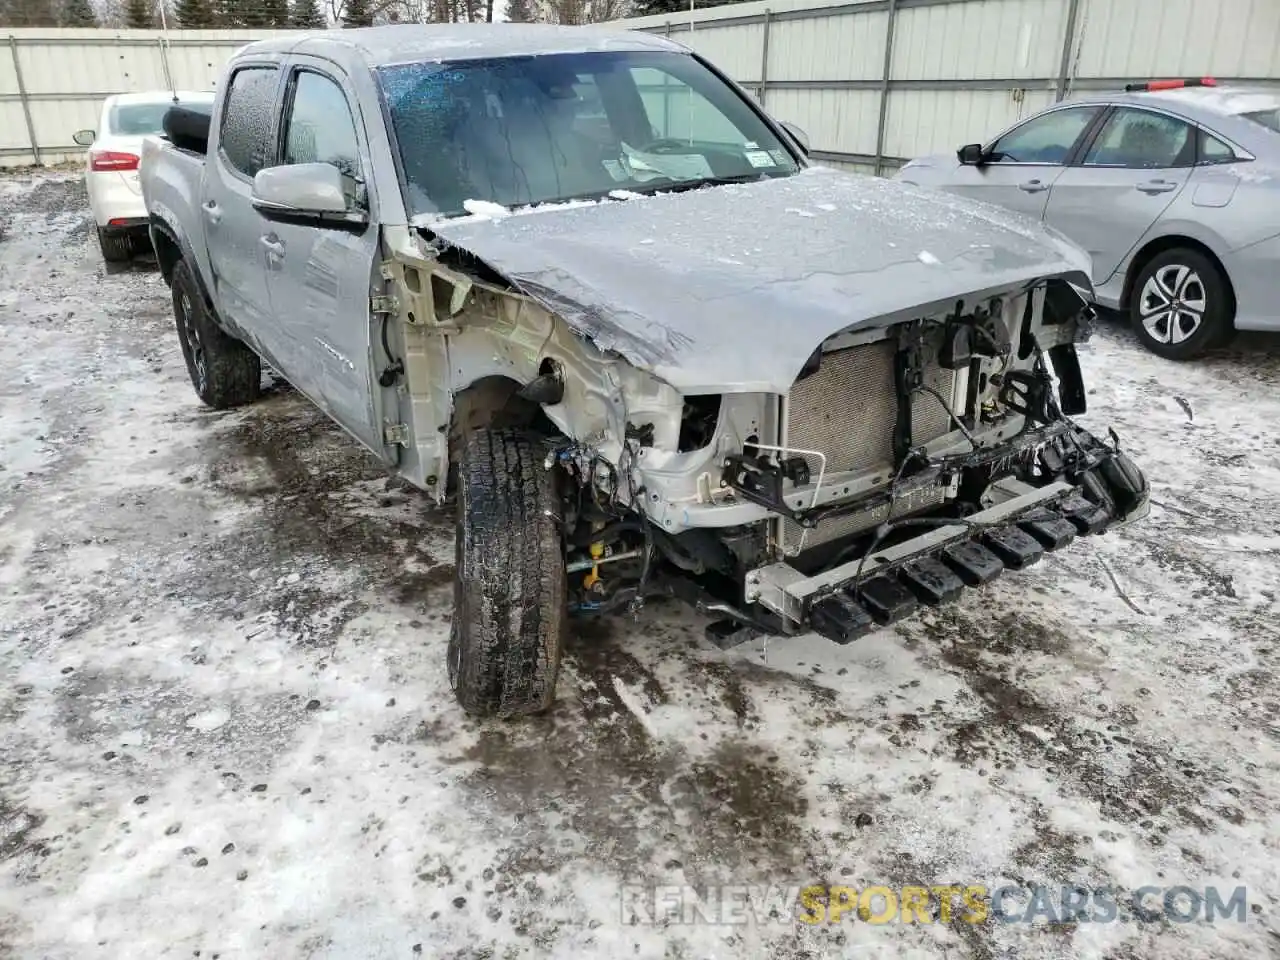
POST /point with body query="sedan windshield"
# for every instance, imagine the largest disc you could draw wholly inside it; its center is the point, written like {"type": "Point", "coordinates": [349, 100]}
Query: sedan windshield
{"type": "Point", "coordinates": [524, 130]}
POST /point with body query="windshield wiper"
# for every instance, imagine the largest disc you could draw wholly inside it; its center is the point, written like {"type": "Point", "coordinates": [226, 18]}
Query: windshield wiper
{"type": "Point", "coordinates": [663, 183]}
{"type": "Point", "coordinates": [679, 186]}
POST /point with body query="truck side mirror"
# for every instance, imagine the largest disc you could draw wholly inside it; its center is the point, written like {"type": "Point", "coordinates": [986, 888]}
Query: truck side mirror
{"type": "Point", "coordinates": [798, 135]}
{"type": "Point", "coordinates": [84, 138]}
{"type": "Point", "coordinates": [311, 193]}
{"type": "Point", "coordinates": [971, 155]}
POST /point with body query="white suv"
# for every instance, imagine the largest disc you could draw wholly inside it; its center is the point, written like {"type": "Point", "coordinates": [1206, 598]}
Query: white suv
{"type": "Point", "coordinates": [111, 167]}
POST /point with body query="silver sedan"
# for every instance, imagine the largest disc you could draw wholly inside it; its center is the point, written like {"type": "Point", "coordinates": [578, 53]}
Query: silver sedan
{"type": "Point", "coordinates": [1174, 192]}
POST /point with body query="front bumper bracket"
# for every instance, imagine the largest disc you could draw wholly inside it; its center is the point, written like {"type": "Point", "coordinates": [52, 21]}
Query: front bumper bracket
{"type": "Point", "coordinates": [853, 598]}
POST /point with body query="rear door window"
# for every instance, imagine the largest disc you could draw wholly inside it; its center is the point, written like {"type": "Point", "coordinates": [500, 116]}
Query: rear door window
{"type": "Point", "coordinates": [1140, 139]}
{"type": "Point", "coordinates": [1213, 150]}
{"type": "Point", "coordinates": [245, 135]}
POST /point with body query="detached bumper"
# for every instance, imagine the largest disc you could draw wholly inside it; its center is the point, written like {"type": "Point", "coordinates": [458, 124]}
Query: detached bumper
{"type": "Point", "coordinates": [854, 598]}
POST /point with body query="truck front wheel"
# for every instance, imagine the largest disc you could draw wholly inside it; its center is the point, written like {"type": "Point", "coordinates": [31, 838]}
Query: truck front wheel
{"type": "Point", "coordinates": [509, 586]}
{"type": "Point", "coordinates": [223, 370]}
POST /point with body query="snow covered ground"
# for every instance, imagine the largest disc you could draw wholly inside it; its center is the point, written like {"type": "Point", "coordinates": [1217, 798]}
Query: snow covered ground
{"type": "Point", "coordinates": [225, 728]}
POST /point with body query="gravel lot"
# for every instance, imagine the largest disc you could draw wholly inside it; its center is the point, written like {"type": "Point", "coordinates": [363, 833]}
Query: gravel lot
{"type": "Point", "coordinates": [225, 729]}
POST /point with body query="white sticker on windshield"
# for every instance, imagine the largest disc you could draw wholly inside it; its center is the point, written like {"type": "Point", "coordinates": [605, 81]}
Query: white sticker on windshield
{"type": "Point", "coordinates": [678, 166]}
{"type": "Point", "coordinates": [751, 145]}
{"type": "Point", "coordinates": [759, 158]}
{"type": "Point", "coordinates": [779, 156]}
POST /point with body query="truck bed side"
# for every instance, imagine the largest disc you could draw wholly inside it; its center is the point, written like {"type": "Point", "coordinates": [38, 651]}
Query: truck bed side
{"type": "Point", "coordinates": [172, 186]}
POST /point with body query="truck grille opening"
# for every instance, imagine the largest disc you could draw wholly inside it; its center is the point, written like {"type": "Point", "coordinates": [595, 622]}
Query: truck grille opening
{"type": "Point", "coordinates": [847, 409]}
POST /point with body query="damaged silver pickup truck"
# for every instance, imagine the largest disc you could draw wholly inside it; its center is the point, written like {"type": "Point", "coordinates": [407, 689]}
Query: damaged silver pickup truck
{"type": "Point", "coordinates": [579, 279]}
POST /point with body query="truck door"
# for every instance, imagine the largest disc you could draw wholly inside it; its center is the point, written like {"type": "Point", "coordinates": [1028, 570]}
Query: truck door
{"type": "Point", "coordinates": [231, 224]}
{"type": "Point", "coordinates": [320, 276]}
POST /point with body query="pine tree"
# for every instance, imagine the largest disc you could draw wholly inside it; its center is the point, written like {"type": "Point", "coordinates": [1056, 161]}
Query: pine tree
{"type": "Point", "coordinates": [306, 15]}
{"type": "Point", "coordinates": [274, 13]}
{"type": "Point", "coordinates": [253, 13]}
{"type": "Point", "coordinates": [28, 13]}
{"type": "Point", "coordinates": [520, 11]}
{"type": "Point", "coordinates": [357, 14]}
{"type": "Point", "coordinates": [239, 14]}
{"type": "Point", "coordinates": [644, 8]}
{"type": "Point", "coordinates": [78, 13]}
{"type": "Point", "coordinates": [138, 15]}
{"type": "Point", "coordinates": [226, 13]}
{"type": "Point", "coordinates": [195, 14]}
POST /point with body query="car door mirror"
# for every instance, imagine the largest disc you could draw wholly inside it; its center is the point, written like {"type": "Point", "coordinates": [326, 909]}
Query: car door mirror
{"type": "Point", "coordinates": [84, 138]}
{"type": "Point", "coordinates": [313, 193]}
{"type": "Point", "coordinates": [797, 134]}
{"type": "Point", "coordinates": [971, 155]}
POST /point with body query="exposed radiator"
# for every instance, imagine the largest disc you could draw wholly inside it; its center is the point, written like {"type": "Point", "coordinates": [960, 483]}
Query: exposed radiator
{"type": "Point", "coordinates": [848, 409]}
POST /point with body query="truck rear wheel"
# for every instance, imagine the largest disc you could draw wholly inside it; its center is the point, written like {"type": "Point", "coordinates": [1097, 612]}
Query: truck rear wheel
{"type": "Point", "coordinates": [509, 593]}
{"type": "Point", "coordinates": [223, 370]}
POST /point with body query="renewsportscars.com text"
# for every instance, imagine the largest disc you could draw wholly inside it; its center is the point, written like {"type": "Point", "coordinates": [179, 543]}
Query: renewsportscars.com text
{"type": "Point", "coordinates": [817, 904]}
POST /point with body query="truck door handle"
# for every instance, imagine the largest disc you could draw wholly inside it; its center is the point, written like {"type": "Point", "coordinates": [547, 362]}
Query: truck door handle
{"type": "Point", "coordinates": [1157, 186]}
{"type": "Point", "coordinates": [212, 212]}
{"type": "Point", "coordinates": [1033, 186]}
{"type": "Point", "coordinates": [273, 245]}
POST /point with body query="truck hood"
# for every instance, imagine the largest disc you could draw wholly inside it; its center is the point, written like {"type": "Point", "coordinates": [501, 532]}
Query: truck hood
{"type": "Point", "coordinates": [731, 288]}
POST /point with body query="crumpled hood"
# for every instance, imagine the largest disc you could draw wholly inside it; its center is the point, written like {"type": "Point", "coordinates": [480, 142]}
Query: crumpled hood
{"type": "Point", "coordinates": [731, 288]}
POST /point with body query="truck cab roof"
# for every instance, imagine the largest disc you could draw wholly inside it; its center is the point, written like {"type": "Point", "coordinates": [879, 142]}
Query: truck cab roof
{"type": "Point", "coordinates": [402, 43]}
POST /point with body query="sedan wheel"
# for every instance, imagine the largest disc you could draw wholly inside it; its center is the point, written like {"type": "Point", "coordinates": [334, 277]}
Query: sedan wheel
{"type": "Point", "coordinates": [1181, 304]}
{"type": "Point", "coordinates": [1173, 303]}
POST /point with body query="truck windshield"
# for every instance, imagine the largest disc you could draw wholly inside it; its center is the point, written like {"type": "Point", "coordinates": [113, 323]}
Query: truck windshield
{"type": "Point", "coordinates": [525, 130]}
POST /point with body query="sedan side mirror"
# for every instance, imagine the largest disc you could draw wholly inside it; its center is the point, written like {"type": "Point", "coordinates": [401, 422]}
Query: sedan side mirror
{"type": "Point", "coordinates": [84, 138]}
{"type": "Point", "coordinates": [798, 135]}
{"type": "Point", "coordinates": [311, 193]}
{"type": "Point", "coordinates": [971, 155]}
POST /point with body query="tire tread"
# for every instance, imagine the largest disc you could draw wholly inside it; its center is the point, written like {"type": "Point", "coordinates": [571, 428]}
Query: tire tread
{"type": "Point", "coordinates": [234, 372]}
{"type": "Point", "coordinates": [116, 248]}
{"type": "Point", "coordinates": [509, 614]}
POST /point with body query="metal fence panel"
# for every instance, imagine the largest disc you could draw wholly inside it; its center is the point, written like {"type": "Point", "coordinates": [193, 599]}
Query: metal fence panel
{"type": "Point", "coordinates": [961, 70]}
{"type": "Point", "coordinates": [827, 48]}
{"type": "Point", "coordinates": [846, 117]}
{"type": "Point", "coordinates": [872, 81]}
{"type": "Point", "coordinates": [981, 39]}
{"type": "Point", "coordinates": [66, 73]}
{"type": "Point", "coordinates": [734, 49]}
{"type": "Point", "coordinates": [13, 129]}
{"type": "Point", "coordinates": [921, 121]}
{"type": "Point", "coordinates": [1238, 38]}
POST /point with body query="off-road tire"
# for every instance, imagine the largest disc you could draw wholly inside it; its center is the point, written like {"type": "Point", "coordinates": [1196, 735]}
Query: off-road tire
{"type": "Point", "coordinates": [509, 592]}
{"type": "Point", "coordinates": [1204, 283]}
{"type": "Point", "coordinates": [224, 372]}
{"type": "Point", "coordinates": [116, 247]}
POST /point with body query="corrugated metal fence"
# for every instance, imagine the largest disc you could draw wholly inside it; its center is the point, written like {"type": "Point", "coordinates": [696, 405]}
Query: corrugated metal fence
{"type": "Point", "coordinates": [874, 82]}
{"type": "Point", "coordinates": [871, 81]}
{"type": "Point", "coordinates": [52, 82]}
